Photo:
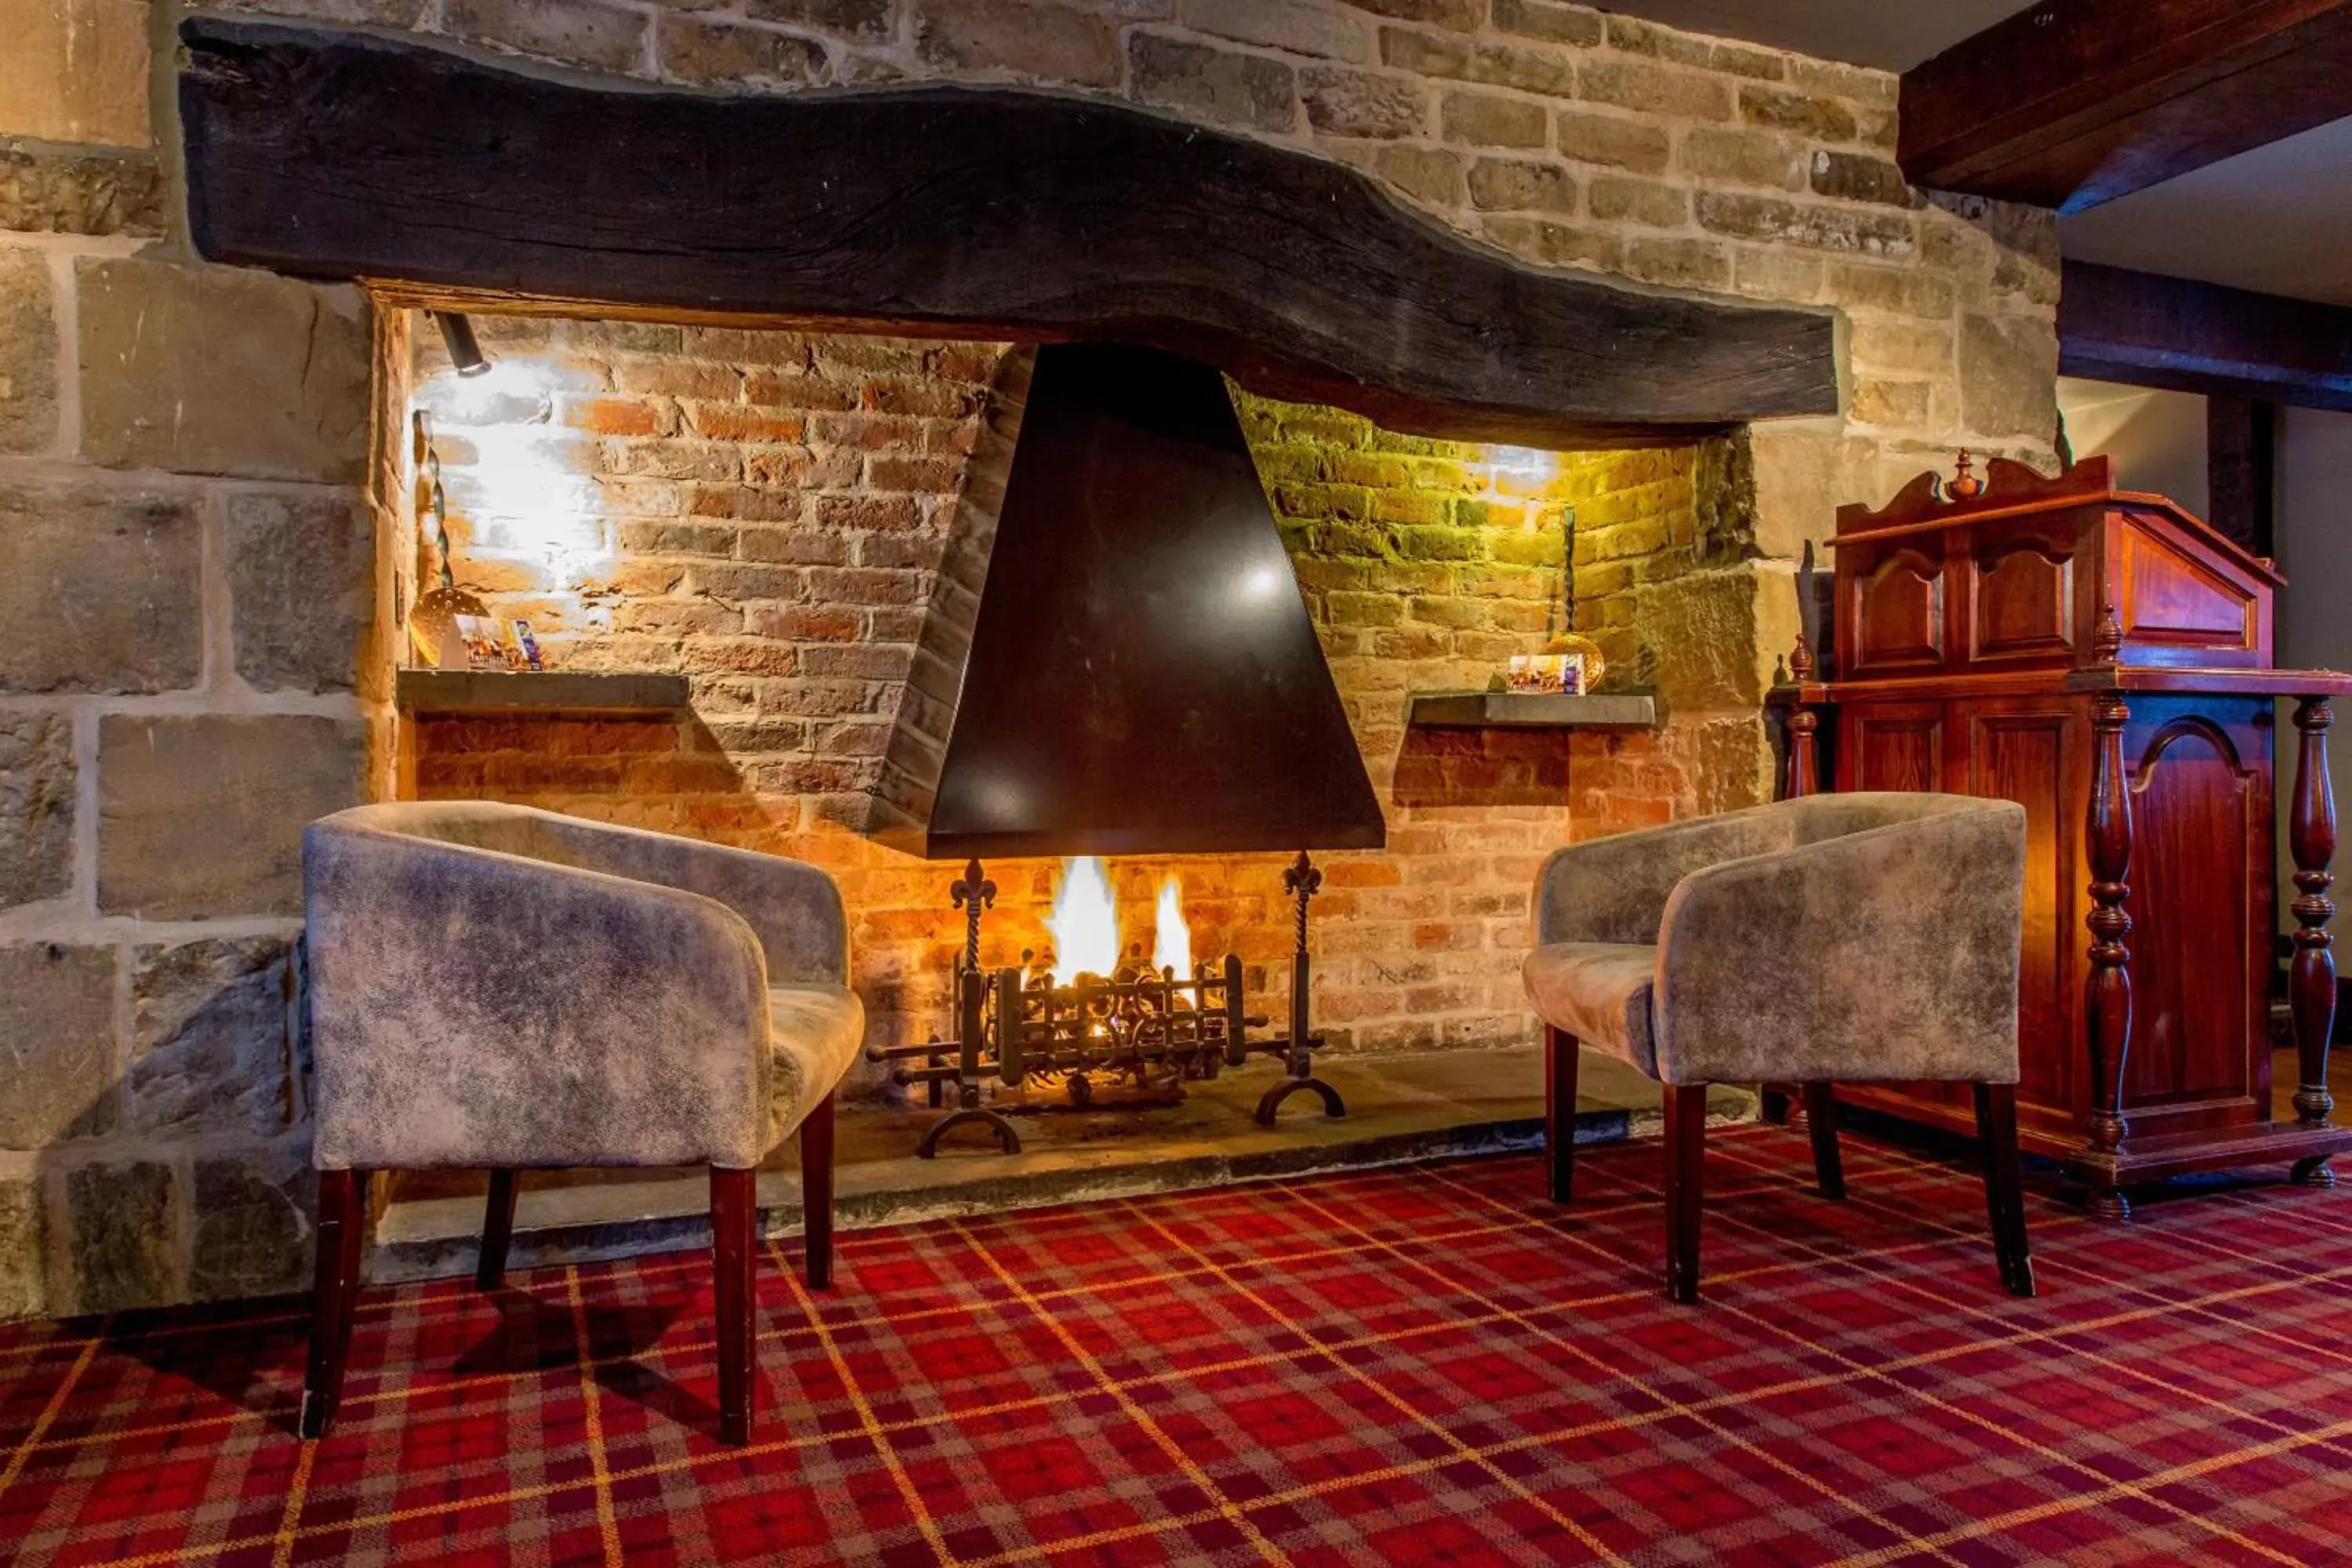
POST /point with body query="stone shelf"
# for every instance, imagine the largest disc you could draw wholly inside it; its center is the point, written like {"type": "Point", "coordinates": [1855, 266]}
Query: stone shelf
{"type": "Point", "coordinates": [537, 692]}
{"type": "Point", "coordinates": [1536, 710]}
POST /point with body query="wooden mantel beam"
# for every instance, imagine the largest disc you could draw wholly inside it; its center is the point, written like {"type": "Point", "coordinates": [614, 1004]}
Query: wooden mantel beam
{"type": "Point", "coordinates": [2070, 103]}
{"type": "Point", "coordinates": [2144, 330]}
{"type": "Point", "coordinates": [979, 212]}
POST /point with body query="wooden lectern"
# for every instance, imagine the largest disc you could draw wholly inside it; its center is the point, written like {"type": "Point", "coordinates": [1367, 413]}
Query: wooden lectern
{"type": "Point", "coordinates": [2104, 658]}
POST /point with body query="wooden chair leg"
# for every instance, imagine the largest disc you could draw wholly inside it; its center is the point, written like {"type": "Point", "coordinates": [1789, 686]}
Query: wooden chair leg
{"type": "Point", "coordinates": [816, 1193]}
{"type": "Point", "coordinates": [1821, 1121]}
{"type": "Point", "coordinates": [734, 1249]}
{"type": "Point", "coordinates": [2004, 1192]}
{"type": "Point", "coordinates": [497, 1230]}
{"type": "Point", "coordinates": [342, 1224]}
{"type": "Point", "coordinates": [1685, 1164]}
{"type": "Point", "coordinates": [1560, 1055]}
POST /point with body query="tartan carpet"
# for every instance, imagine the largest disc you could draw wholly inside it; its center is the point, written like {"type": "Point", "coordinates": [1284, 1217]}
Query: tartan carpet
{"type": "Point", "coordinates": [1425, 1364]}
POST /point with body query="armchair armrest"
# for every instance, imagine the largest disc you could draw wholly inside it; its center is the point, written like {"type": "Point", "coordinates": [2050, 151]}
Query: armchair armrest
{"type": "Point", "coordinates": [475, 1008]}
{"type": "Point", "coordinates": [1616, 889]}
{"type": "Point", "coordinates": [794, 909]}
{"type": "Point", "coordinates": [1897, 947]}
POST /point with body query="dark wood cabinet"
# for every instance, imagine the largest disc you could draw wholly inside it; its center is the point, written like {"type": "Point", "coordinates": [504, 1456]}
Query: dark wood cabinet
{"type": "Point", "coordinates": [2104, 658]}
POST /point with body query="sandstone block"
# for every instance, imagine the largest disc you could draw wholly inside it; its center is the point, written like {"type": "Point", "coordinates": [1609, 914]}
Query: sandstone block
{"type": "Point", "coordinates": [29, 353]}
{"type": "Point", "coordinates": [1655, 90]}
{"type": "Point", "coordinates": [1775, 221]}
{"type": "Point", "coordinates": [1558, 244]}
{"type": "Point", "coordinates": [254, 1225]}
{"type": "Point", "coordinates": [1859, 177]}
{"type": "Point", "coordinates": [1218, 84]}
{"type": "Point", "coordinates": [1300, 27]}
{"type": "Point", "coordinates": [1056, 43]}
{"type": "Point", "coordinates": [1771, 273]}
{"type": "Point", "coordinates": [1549, 20]}
{"type": "Point", "coordinates": [121, 1237]}
{"type": "Point", "coordinates": [1635, 144]}
{"type": "Point", "coordinates": [1616, 198]}
{"type": "Point", "coordinates": [24, 1252]}
{"type": "Point", "coordinates": [74, 70]}
{"type": "Point", "coordinates": [1459, 15]}
{"type": "Point", "coordinates": [578, 32]}
{"type": "Point", "coordinates": [218, 369]}
{"type": "Point", "coordinates": [1484, 119]}
{"type": "Point", "coordinates": [98, 590]}
{"type": "Point", "coordinates": [56, 1043]}
{"type": "Point", "coordinates": [1698, 640]}
{"type": "Point", "coordinates": [37, 807]}
{"type": "Point", "coordinates": [1817, 119]}
{"type": "Point", "coordinates": [863, 20]}
{"type": "Point", "coordinates": [1892, 289]}
{"type": "Point", "coordinates": [2009, 376]}
{"type": "Point", "coordinates": [201, 816]}
{"type": "Point", "coordinates": [1680, 263]}
{"type": "Point", "coordinates": [301, 582]}
{"type": "Point", "coordinates": [1741, 157]}
{"type": "Point", "coordinates": [724, 54]}
{"type": "Point", "coordinates": [1506, 184]}
{"type": "Point", "coordinates": [79, 190]}
{"type": "Point", "coordinates": [209, 1039]}
{"type": "Point", "coordinates": [1489, 65]}
{"type": "Point", "coordinates": [1901, 404]}
{"type": "Point", "coordinates": [1357, 103]}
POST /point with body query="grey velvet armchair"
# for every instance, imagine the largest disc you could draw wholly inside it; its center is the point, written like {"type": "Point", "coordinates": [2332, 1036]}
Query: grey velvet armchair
{"type": "Point", "coordinates": [1840, 938]}
{"type": "Point", "coordinates": [495, 987]}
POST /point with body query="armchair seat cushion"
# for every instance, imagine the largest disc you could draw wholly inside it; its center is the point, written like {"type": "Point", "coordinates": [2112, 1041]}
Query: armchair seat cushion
{"type": "Point", "coordinates": [813, 1035]}
{"type": "Point", "coordinates": [1599, 992]}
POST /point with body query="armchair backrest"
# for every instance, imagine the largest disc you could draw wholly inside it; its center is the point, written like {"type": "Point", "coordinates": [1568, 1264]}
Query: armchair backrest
{"type": "Point", "coordinates": [794, 909]}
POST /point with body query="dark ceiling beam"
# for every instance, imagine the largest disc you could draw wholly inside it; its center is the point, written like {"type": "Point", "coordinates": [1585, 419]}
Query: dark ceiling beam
{"type": "Point", "coordinates": [2070, 103]}
{"type": "Point", "coordinates": [989, 213]}
{"type": "Point", "coordinates": [2148, 331]}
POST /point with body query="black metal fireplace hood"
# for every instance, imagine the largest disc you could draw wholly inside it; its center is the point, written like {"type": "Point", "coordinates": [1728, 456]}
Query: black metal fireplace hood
{"type": "Point", "coordinates": [1141, 675]}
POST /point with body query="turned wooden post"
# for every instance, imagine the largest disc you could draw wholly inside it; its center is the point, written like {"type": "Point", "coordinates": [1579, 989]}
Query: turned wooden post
{"type": "Point", "coordinates": [2311, 982]}
{"type": "Point", "coordinates": [1805, 777]}
{"type": "Point", "coordinates": [2108, 987]}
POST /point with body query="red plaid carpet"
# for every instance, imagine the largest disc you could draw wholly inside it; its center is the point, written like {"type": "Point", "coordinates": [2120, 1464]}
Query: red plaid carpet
{"type": "Point", "coordinates": [1421, 1365]}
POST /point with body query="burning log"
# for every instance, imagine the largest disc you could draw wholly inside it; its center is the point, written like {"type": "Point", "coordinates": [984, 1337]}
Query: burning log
{"type": "Point", "coordinates": [1159, 1024]}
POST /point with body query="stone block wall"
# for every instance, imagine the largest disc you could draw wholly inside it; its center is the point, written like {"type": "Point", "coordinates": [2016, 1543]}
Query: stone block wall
{"type": "Point", "coordinates": [187, 577]}
{"type": "Point", "coordinates": [767, 513]}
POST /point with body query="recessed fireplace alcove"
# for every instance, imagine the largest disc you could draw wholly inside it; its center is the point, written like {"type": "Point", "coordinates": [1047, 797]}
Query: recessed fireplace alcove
{"type": "Point", "coordinates": [756, 429]}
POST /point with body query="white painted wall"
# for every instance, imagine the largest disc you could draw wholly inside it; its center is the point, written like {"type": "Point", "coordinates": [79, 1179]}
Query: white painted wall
{"type": "Point", "coordinates": [2157, 438]}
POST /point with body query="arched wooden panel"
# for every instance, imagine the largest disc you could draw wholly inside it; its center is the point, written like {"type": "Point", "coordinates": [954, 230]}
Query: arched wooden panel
{"type": "Point", "coordinates": [2193, 811]}
{"type": "Point", "coordinates": [2024, 602]}
{"type": "Point", "coordinates": [1899, 615]}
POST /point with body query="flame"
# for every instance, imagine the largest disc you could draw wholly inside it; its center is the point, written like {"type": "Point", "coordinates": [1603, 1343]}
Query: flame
{"type": "Point", "coordinates": [1085, 922]}
{"type": "Point", "coordinates": [1172, 942]}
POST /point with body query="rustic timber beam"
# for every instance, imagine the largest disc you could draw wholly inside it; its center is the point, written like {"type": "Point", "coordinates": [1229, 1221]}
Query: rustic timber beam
{"type": "Point", "coordinates": [2070, 103]}
{"type": "Point", "coordinates": [2144, 330]}
{"type": "Point", "coordinates": [978, 212]}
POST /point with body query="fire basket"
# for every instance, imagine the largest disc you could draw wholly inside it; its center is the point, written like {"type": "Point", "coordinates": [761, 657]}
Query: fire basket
{"type": "Point", "coordinates": [1146, 1024]}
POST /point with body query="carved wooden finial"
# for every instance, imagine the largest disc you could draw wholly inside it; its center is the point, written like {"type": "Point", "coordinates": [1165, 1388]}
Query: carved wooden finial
{"type": "Point", "coordinates": [2107, 637]}
{"type": "Point", "coordinates": [1800, 660]}
{"type": "Point", "coordinates": [1965, 485]}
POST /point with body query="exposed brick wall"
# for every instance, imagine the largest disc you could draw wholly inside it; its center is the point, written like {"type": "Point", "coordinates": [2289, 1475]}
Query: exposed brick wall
{"type": "Point", "coordinates": [766, 512]}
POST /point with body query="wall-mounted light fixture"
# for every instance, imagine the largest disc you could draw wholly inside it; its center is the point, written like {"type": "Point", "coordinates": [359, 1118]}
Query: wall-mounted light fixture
{"type": "Point", "coordinates": [458, 337]}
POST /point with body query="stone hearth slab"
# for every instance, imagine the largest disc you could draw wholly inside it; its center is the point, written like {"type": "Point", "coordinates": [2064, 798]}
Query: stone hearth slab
{"type": "Point", "coordinates": [1400, 1108]}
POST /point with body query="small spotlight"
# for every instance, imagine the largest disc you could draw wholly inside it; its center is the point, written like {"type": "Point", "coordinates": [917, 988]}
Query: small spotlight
{"type": "Point", "coordinates": [458, 337]}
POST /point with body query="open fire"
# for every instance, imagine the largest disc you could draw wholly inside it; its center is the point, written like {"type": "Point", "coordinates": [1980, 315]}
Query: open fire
{"type": "Point", "coordinates": [1083, 1013]}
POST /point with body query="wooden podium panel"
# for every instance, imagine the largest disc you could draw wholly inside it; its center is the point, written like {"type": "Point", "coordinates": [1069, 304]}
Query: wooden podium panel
{"type": "Point", "coordinates": [2102, 658]}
